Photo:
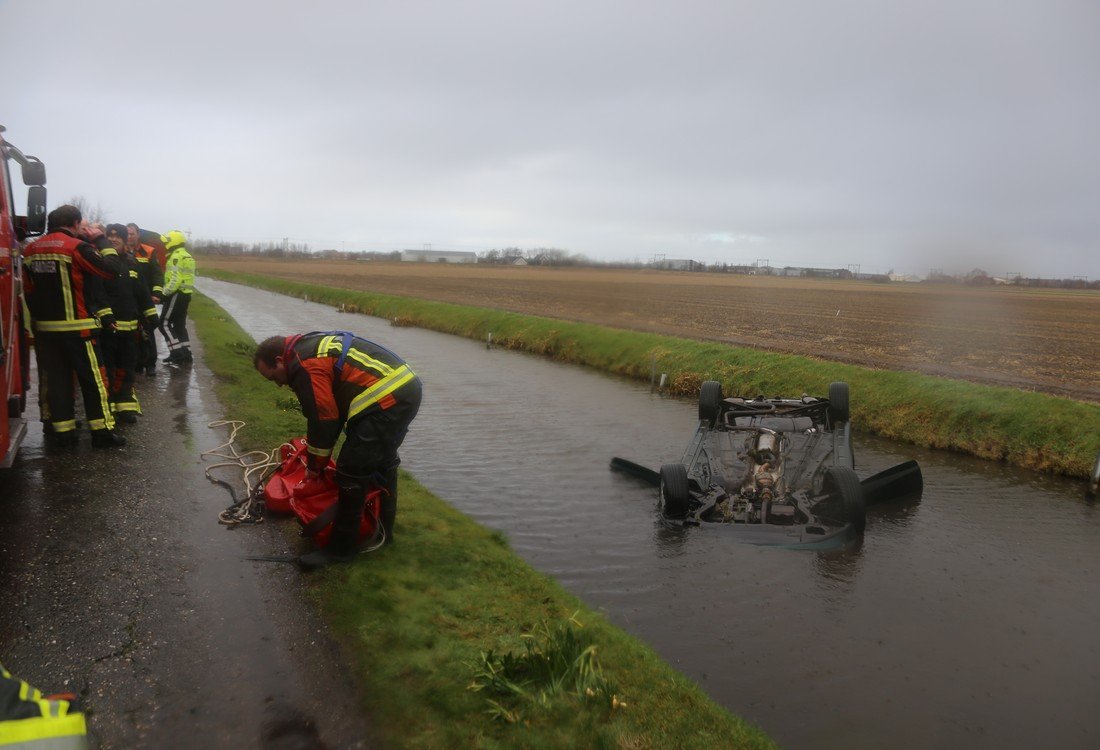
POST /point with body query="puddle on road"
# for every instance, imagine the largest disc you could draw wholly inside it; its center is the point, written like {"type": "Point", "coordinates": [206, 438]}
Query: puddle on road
{"type": "Point", "coordinates": [964, 620]}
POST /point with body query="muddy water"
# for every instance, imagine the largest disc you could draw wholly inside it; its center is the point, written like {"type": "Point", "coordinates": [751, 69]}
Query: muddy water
{"type": "Point", "coordinates": [968, 619]}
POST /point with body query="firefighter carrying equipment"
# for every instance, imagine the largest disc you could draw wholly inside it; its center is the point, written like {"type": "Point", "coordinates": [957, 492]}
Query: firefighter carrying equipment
{"type": "Point", "coordinates": [32, 721]}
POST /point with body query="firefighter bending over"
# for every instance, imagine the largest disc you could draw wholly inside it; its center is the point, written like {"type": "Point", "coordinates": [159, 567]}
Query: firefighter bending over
{"type": "Point", "coordinates": [346, 382]}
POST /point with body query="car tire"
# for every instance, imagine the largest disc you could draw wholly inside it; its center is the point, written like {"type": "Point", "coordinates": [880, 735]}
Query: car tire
{"type": "Point", "coordinates": [710, 401]}
{"type": "Point", "coordinates": [838, 402]}
{"type": "Point", "coordinates": [1094, 479]}
{"type": "Point", "coordinates": [844, 485]}
{"type": "Point", "coordinates": [674, 493]}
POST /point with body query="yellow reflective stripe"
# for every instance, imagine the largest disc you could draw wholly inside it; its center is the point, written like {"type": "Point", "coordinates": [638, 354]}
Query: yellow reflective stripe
{"type": "Point", "coordinates": [322, 452]}
{"type": "Point", "coordinates": [104, 311]}
{"type": "Point", "coordinates": [67, 426]}
{"type": "Point", "coordinates": [108, 421]}
{"type": "Point", "coordinates": [381, 389]}
{"type": "Point", "coordinates": [323, 345]}
{"type": "Point", "coordinates": [141, 259]}
{"type": "Point", "coordinates": [80, 324]}
{"type": "Point", "coordinates": [150, 311]}
{"type": "Point", "coordinates": [28, 693]}
{"type": "Point", "coordinates": [372, 363]}
{"type": "Point", "coordinates": [108, 251]}
{"type": "Point", "coordinates": [126, 325]}
{"type": "Point", "coordinates": [67, 294]}
{"type": "Point", "coordinates": [133, 274]}
{"type": "Point", "coordinates": [158, 289]}
{"type": "Point", "coordinates": [24, 732]}
{"type": "Point", "coordinates": [50, 256]}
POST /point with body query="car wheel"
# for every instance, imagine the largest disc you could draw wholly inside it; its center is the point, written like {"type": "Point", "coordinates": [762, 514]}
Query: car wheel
{"type": "Point", "coordinates": [710, 401]}
{"type": "Point", "coordinates": [674, 493]}
{"type": "Point", "coordinates": [838, 402]}
{"type": "Point", "coordinates": [843, 484]}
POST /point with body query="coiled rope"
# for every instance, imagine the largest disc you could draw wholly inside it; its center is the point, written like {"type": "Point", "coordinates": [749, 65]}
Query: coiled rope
{"type": "Point", "coordinates": [255, 467]}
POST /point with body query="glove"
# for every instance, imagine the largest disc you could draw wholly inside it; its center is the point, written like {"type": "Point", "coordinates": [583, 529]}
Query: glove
{"type": "Point", "coordinates": [90, 232]}
{"type": "Point", "coordinates": [152, 322]}
{"type": "Point", "coordinates": [108, 322]}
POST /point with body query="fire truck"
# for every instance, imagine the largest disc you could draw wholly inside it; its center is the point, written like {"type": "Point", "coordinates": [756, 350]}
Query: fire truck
{"type": "Point", "coordinates": [14, 229]}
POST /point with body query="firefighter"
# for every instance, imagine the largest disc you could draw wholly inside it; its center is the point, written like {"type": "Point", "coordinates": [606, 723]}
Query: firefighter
{"type": "Point", "coordinates": [134, 312]}
{"type": "Point", "coordinates": [57, 267]}
{"type": "Point", "coordinates": [29, 719]}
{"type": "Point", "coordinates": [150, 259]}
{"type": "Point", "coordinates": [346, 382]}
{"type": "Point", "coordinates": [179, 283]}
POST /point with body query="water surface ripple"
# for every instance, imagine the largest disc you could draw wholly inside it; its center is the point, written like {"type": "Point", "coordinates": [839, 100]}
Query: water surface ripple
{"type": "Point", "coordinates": [966, 620]}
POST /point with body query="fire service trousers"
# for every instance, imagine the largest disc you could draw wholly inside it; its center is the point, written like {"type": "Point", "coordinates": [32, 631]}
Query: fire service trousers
{"type": "Point", "coordinates": [173, 321]}
{"type": "Point", "coordinates": [121, 351]}
{"type": "Point", "coordinates": [60, 357]}
{"type": "Point", "coordinates": [369, 458]}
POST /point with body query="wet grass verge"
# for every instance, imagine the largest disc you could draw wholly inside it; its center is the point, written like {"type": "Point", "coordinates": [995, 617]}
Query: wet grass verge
{"type": "Point", "coordinates": [1033, 430]}
{"type": "Point", "coordinates": [457, 641]}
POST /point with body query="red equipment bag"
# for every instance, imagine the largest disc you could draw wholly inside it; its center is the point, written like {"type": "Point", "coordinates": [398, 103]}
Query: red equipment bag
{"type": "Point", "coordinates": [314, 501]}
{"type": "Point", "coordinates": [292, 471]}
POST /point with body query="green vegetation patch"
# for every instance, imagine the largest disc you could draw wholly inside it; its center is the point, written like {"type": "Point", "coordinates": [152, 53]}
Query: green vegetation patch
{"type": "Point", "coordinates": [460, 643]}
{"type": "Point", "coordinates": [1033, 430]}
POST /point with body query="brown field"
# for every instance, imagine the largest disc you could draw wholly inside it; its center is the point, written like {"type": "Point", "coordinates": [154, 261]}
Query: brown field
{"type": "Point", "coordinates": [1044, 340]}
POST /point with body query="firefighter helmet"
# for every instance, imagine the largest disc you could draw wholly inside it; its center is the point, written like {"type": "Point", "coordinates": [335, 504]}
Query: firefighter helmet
{"type": "Point", "coordinates": [173, 239]}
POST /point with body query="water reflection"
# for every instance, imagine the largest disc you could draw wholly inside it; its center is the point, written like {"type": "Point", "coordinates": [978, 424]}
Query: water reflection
{"type": "Point", "coordinates": [987, 581]}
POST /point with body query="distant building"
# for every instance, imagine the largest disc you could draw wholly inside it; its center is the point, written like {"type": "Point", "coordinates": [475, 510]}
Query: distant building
{"type": "Point", "coordinates": [439, 256]}
{"type": "Point", "coordinates": [674, 264]}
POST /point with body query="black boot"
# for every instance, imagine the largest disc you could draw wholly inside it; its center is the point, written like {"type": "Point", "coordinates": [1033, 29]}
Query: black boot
{"type": "Point", "coordinates": [58, 439]}
{"type": "Point", "coordinates": [343, 545]}
{"type": "Point", "coordinates": [388, 510]}
{"type": "Point", "coordinates": [107, 439]}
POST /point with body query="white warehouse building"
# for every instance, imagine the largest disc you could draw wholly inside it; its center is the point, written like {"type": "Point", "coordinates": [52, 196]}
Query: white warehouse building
{"type": "Point", "coordinates": [439, 256]}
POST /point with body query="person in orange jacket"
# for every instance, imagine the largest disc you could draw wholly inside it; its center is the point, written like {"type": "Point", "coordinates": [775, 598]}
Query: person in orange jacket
{"type": "Point", "coordinates": [66, 327]}
{"type": "Point", "coordinates": [346, 383]}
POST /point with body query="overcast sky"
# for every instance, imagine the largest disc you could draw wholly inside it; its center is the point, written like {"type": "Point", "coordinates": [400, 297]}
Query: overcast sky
{"type": "Point", "coordinates": [906, 135]}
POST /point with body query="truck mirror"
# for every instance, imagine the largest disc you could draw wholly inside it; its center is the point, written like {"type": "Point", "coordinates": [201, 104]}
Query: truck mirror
{"type": "Point", "coordinates": [35, 221]}
{"type": "Point", "coordinates": [34, 172]}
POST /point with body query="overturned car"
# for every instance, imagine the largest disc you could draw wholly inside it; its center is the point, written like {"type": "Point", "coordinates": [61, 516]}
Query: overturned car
{"type": "Point", "coordinates": [780, 471]}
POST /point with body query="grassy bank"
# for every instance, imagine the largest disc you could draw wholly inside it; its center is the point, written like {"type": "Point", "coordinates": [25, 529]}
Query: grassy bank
{"type": "Point", "coordinates": [450, 608]}
{"type": "Point", "coordinates": [1033, 430]}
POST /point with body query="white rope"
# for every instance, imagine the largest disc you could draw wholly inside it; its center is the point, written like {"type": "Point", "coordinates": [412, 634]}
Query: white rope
{"type": "Point", "coordinates": [254, 466]}
{"type": "Point", "coordinates": [253, 463]}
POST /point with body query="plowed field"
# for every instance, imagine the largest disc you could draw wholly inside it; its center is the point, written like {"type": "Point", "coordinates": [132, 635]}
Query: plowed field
{"type": "Point", "coordinates": [1044, 340]}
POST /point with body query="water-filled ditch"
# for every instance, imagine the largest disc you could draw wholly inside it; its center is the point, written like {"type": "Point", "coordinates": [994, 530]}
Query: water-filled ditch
{"type": "Point", "coordinates": [965, 620]}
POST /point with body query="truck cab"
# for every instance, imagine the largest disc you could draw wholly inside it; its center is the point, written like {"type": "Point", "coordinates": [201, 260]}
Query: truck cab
{"type": "Point", "coordinates": [15, 228]}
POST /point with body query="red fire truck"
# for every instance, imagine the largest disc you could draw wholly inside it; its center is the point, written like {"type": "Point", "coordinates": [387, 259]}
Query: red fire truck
{"type": "Point", "coordinates": [14, 229]}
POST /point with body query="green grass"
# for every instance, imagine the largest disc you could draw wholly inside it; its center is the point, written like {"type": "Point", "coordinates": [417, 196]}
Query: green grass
{"type": "Point", "coordinates": [1033, 430]}
{"type": "Point", "coordinates": [440, 623]}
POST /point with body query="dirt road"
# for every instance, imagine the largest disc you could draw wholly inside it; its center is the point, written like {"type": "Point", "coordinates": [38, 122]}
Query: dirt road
{"type": "Point", "coordinates": [1044, 340]}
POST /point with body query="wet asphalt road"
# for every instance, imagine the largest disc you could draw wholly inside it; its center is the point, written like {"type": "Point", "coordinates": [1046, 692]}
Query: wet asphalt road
{"type": "Point", "coordinates": [118, 583]}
